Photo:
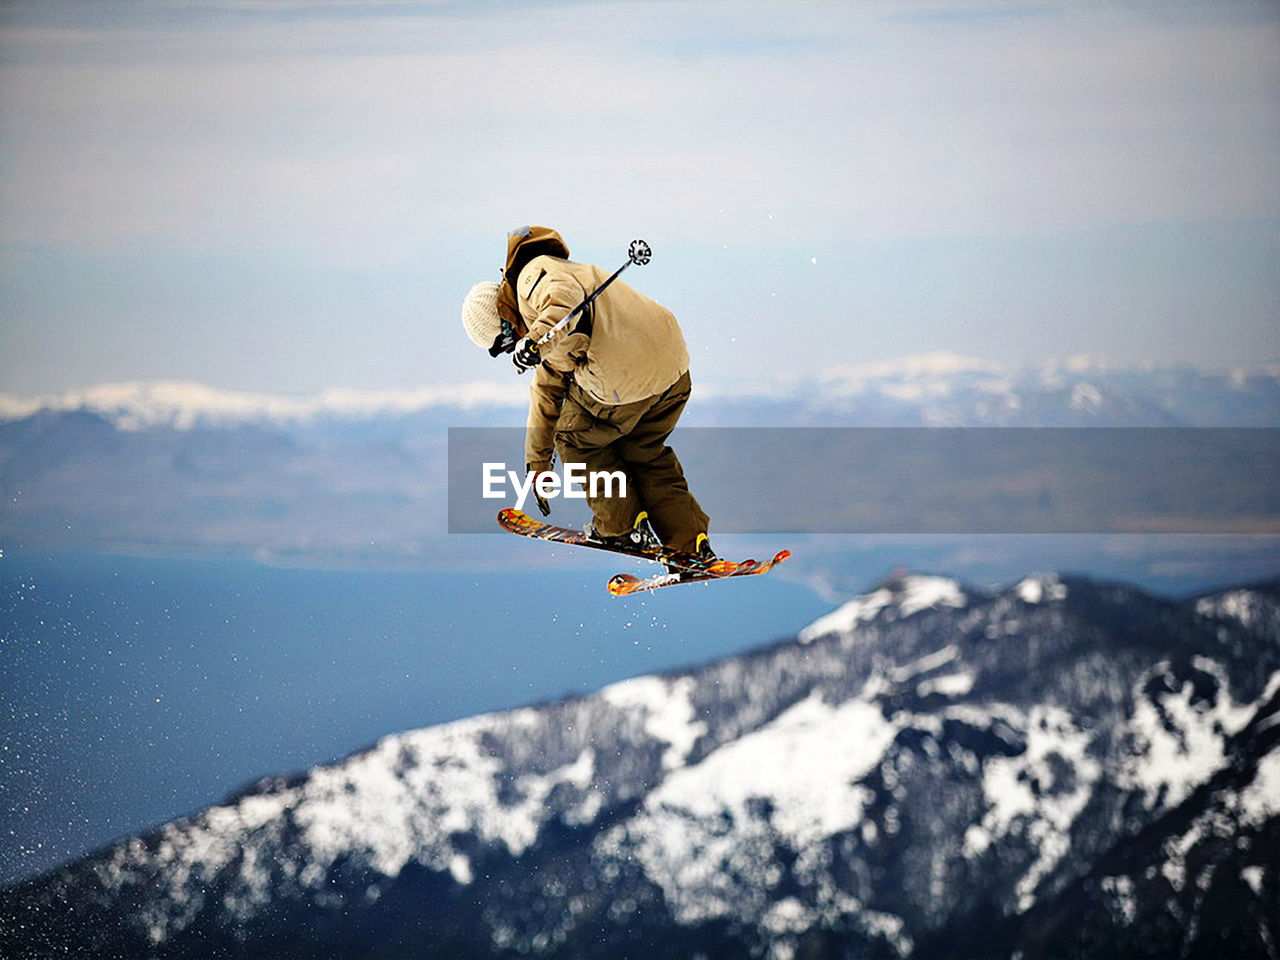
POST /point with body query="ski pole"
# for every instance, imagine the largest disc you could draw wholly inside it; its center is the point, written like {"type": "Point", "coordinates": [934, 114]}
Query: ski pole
{"type": "Point", "coordinates": [638, 253]}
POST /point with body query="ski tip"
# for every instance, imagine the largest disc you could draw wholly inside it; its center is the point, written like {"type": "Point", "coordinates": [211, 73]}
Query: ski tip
{"type": "Point", "coordinates": [517, 521]}
{"type": "Point", "coordinates": [782, 556]}
{"type": "Point", "coordinates": [622, 584]}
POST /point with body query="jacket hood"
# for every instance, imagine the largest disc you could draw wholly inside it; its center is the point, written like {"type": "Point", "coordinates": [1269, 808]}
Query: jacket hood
{"type": "Point", "coordinates": [523, 244]}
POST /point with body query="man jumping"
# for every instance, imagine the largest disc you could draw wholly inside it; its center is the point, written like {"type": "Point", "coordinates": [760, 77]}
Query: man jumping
{"type": "Point", "coordinates": [606, 393]}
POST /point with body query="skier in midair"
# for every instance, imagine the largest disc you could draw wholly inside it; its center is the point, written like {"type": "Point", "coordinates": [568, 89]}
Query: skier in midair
{"type": "Point", "coordinates": [606, 393]}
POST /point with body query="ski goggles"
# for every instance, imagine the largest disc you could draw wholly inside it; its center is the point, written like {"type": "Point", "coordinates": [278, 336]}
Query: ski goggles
{"type": "Point", "coordinates": [505, 341]}
{"type": "Point", "coordinates": [512, 328]}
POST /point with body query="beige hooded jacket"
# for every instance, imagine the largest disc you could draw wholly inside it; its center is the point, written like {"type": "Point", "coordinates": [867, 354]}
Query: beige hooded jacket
{"type": "Point", "coordinates": [634, 351]}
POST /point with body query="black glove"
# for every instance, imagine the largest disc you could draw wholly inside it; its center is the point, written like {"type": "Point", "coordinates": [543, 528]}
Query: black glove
{"type": "Point", "coordinates": [525, 355]}
{"type": "Point", "coordinates": [543, 504]}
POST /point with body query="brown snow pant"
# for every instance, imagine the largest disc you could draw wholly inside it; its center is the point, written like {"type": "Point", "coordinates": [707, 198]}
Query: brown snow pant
{"type": "Point", "coordinates": [631, 437]}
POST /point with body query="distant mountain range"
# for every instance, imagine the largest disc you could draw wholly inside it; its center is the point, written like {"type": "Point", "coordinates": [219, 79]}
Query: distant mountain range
{"type": "Point", "coordinates": [933, 389]}
{"type": "Point", "coordinates": [348, 475]}
{"type": "Point", "coordinates": [1061, 767]}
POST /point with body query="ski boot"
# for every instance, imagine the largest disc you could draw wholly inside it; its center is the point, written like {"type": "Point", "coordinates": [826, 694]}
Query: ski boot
{"type": "Point", "coordinates": [702, 550]}
{"type": "Point", "coordinates": [642, 536]}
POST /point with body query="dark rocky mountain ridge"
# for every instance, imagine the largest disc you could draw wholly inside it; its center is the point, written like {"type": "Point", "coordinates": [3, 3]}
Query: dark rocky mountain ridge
{"type": "Point", "coordinates": [1061, 767]}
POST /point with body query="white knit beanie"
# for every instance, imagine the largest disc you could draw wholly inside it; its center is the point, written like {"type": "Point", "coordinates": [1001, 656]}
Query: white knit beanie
{"type": "Point", "coordinates": [480, 314]}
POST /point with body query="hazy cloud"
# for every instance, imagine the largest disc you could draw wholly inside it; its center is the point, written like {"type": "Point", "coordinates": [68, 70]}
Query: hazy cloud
{"type": "Point", "coordinates": [807, 142]}
{"type": "Point", "coordinates": [316, 125]}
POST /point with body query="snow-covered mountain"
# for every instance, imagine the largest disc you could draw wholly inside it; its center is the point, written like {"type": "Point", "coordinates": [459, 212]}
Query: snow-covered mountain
{"type": "Point", "coordinates": [1061, 767]}
{"type": "Point", "coordinates": [931, 389]}
{"type": "Point", "coordinates": [184, 405]}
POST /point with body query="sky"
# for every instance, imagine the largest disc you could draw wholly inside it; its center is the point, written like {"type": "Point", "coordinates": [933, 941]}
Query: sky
{"type": "Point", "coordinates": [292, 196]}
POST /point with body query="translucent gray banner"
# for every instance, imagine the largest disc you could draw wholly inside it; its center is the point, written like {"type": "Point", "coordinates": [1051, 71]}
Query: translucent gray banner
{"type": "Point", "coordinates": [930, 480]}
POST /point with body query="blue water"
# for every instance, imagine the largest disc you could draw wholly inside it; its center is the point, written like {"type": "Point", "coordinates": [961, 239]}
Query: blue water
{"type": "Point", "coordinates": [135, 690]}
